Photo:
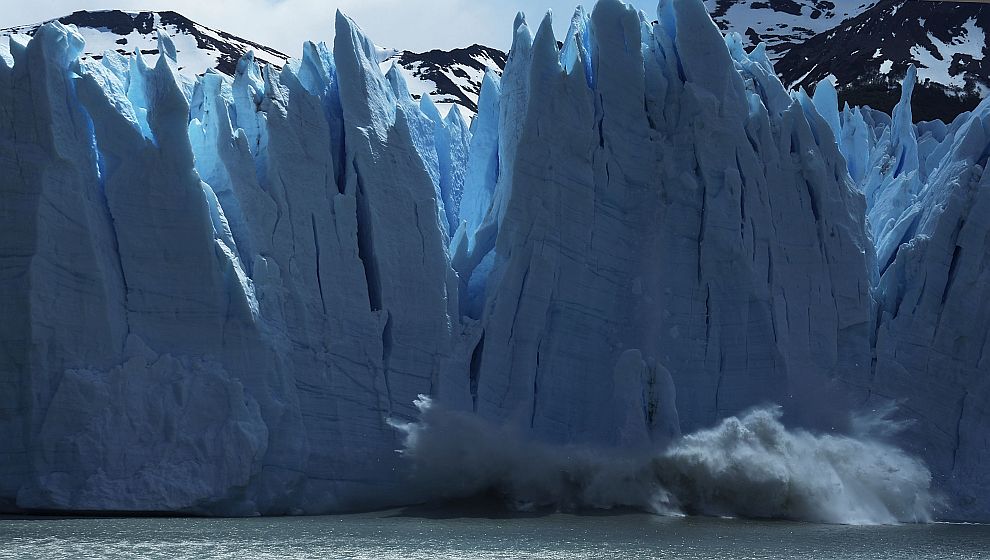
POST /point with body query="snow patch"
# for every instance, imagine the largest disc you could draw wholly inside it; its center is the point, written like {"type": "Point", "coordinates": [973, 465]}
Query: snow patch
{"type": "Point", "coordinates": [935, 65]}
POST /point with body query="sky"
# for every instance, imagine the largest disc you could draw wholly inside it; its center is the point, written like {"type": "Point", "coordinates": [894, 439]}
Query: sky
{"type": "Point", "coordinates": [285, 24]}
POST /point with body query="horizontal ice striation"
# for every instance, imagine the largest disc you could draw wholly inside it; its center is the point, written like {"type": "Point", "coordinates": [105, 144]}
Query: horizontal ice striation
{"type": "Point", "coordinates": [220, 296]}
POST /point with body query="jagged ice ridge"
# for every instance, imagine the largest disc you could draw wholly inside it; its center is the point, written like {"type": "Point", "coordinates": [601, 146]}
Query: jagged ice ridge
{"type": "Point", "coordinates": [220, 297]}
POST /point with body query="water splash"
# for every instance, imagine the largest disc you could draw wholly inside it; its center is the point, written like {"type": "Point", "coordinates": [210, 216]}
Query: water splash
{"type": "Point", "coordinates": [749, 466]}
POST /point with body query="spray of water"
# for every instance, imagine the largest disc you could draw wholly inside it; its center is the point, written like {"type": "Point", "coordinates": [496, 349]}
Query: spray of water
{"type": "Point", "coordinates": [749, 466]}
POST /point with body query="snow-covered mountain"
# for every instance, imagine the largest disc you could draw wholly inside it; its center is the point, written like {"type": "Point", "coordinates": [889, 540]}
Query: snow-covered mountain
{"type": "Point", "coordinates": [199, 48]}
{"type": "Point", "coordinates": [870, 53]}
{"type": "Point", "coordinates": [451, 77]}
{"type": "Point", "coordinates": [781, 24]}
{"type": "Point", "coordinates": [228, 295]}
{"type": "Point", "coordinates": [866, 44]}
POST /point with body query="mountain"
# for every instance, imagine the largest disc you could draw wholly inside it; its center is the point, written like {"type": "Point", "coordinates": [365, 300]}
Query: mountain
{"type": "Point", "coordinates": [806, 40]}
{"type": "Point", "coordinates": [451, 77]}
{"type": "Point", "coordinates": [869, 55]}
{"type": "Point", "coordinates": [868, 45]}
{"type": "Point", "coordinates": [782, 24]}
{"type": "Point", "coordinates": [199, 48]}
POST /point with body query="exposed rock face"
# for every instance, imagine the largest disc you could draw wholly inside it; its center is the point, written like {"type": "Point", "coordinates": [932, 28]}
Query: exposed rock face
{"type": "Point", "coordinates": [783, 24]}
{"type": "Point", "coordinates": [869, 55]}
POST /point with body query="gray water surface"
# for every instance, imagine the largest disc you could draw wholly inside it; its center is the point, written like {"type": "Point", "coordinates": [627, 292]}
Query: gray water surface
{"type": "Point", "coordinates": [433, 534]}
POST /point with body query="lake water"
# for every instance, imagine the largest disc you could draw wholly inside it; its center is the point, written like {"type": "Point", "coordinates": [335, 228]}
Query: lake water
{"type": "Point", "coordinates": [435, 534]}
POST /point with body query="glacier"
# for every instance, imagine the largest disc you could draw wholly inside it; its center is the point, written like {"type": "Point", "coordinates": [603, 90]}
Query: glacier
{"type": "Point", "coordinates": [225, 296]}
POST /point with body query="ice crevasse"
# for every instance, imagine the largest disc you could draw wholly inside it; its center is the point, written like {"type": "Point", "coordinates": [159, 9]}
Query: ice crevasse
{"type": "Point", "coordinates": [220, 296]}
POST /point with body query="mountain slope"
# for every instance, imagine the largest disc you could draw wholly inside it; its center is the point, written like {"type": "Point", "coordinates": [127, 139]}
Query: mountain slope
{"type": "Point", "coordinates": [453, 76]}
{"type": "Point", "coordinates": [866, 44]}
{"type": "Point", "coordinates": [450, 77]}
{"type": "Point", "coordinates": [782, 24]}
{"type": "Point", "coordinates": [870, 53]}
{"type": "Point", "coordinates": [198, 47]}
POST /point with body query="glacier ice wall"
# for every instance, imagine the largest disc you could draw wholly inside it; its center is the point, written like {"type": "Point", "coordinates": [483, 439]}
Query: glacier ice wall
{"type": "Point", "coordinates": [663, 224]}
{"type": "Point", "coordinates": [932, 295]}
{"type": "Point", "coordinates": [219, 295]}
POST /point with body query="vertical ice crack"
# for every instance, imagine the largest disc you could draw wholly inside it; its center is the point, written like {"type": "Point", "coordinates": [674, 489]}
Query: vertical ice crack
{"type": "Point", "coordinates": [319, 279]}
{"type": "Point", "coordinates": [536, 383]}
{"type": "Point", "coordinates": [475, 370]}
{"type": "Point", "coordinates": [366, 250]}
{"type": "Point", "coordinates": [387, 343]}
{"type": "Point", "coordinates": [958, 441]}
{"type": "Point", "coordinates": [708, 316]}
{"type": "Point", "coordinates": [950, 279]}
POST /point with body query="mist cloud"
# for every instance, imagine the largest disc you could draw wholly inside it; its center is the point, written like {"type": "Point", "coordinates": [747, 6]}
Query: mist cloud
{"type": "Point", "coordinates": [750, 465]}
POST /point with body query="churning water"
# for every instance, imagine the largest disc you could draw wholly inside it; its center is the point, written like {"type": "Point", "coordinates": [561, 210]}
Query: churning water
{"type": "Point", "coordinates": [747, 466]}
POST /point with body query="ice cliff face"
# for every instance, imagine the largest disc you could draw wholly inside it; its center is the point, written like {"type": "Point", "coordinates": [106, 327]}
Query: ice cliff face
{"type": "Point", "coordinates": [928, 196]}
{"type": "Point", "coordinates": [218, 297]}
{"type": "Point", "coordinates": [639, 228]}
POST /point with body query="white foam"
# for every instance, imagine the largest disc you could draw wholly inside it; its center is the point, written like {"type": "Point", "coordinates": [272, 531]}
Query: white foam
{"type": "Point", "coordinates": [746, 466]}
